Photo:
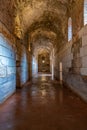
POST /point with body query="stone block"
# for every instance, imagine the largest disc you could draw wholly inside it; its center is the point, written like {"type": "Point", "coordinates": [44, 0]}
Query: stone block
{"type": "Point", "coordinates": [8, 87]}
{"type": "Point", "coordinates": [83, 51]}
{"type": "Point", "coordinates": [6, 52]}
{"type": "Point", "coordinates": [11, 70]}
{"type": "Point", "coordinates": [3, 71]}
{"type": "Point", "coordinates": [84, 62]}
{"type": "Point", "coordinates": [84, 71]}
{"type": "Point", "coordinates": [84, 40]}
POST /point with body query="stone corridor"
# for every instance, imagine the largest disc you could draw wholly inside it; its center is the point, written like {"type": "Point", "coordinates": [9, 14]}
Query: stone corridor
{"type": "Point", "coordinates": [49, 37]}
{"type": "Point", "coordinates": [43, 104]}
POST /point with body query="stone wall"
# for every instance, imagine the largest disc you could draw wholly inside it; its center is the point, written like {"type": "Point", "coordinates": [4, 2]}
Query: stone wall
{"type": "Point", "coordinates": [7, 13]}
{"type": "Point", "coordinates": [83, 50]}
{"type": "Point", "coordinates": [74, 60]}
{"type": "Point", "coordinates": [7, 64]}
{"type": "Point", "coordinates": [14, 63]}
{"type": "Point", "coordinates": [22, 64]}
{"type": "Point", "coordinates": [77, 15]}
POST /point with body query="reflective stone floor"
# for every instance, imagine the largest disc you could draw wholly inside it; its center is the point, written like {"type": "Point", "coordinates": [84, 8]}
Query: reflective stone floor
{"type": "Point", "coordinates": [43, 105]}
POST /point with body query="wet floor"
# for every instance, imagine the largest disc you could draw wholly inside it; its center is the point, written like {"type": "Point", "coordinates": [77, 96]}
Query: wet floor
{"type": "Point", "coordinates": [43, 105]}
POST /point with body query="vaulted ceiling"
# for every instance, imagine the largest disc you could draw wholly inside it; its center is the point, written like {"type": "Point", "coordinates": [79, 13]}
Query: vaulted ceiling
{"type": "Point", "coordinates": [42, 20]}
{"type": "Point", "coordinates": [46, 15]}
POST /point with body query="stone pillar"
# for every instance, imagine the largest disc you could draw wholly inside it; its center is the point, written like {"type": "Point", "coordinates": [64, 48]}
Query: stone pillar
{"type": "Point", "coordinates": [18, 71]}
{"type": "Point", "coordinates": [30, 66]}
{"type": "Point", "coordinates": [61, 77]}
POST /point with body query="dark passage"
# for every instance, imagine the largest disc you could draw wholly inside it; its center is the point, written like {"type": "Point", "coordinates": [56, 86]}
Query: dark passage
{"type": "Point", "coordinates": [43, 105]}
